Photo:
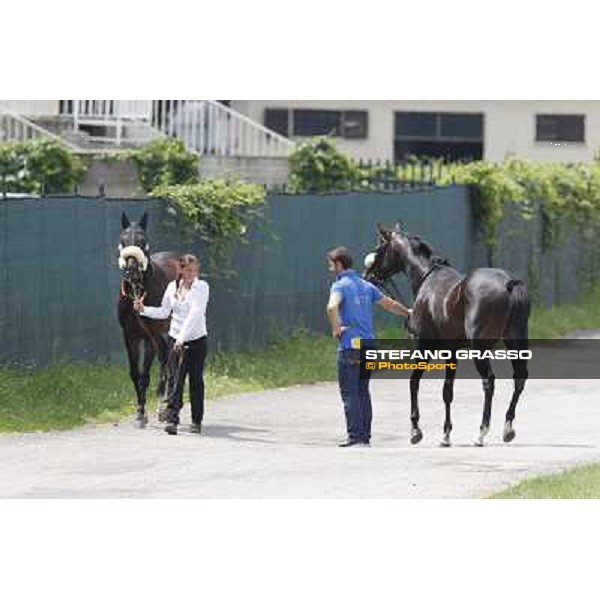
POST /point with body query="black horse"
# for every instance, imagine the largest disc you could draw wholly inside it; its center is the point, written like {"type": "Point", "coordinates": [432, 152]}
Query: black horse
{"type": "Point", "coordinates": [451, 311]}
{"type": "Point", "coordinates": [144, 276]}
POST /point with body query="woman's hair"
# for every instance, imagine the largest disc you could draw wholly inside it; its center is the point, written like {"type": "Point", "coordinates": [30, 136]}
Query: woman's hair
{"type": "Point", "coordinates": [188, 259]}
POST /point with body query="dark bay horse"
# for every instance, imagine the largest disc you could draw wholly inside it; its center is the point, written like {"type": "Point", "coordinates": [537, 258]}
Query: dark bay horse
{"type": "Point", "coordinates": [451, 311]}
{"type": "Point", "coordinates": [143, 275]}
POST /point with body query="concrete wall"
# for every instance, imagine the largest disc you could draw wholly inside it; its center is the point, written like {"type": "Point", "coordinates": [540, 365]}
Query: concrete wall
{"type": "Point", "coordinates": [120, 178]}
{"type": "Point", "coordinates": [509, 125]}
{"type": "Point", "coordinates": [269, 171]}
{"type": "Point", "coordinates": [31, 108]}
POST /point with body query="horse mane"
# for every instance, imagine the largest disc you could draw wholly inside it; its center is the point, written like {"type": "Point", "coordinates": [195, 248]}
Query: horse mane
{"type": "Point", "coordinates": [422, 248]}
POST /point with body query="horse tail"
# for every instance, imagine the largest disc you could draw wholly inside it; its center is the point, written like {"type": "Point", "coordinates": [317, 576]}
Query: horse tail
{"type": "Point", "coordinates": [519, 308]}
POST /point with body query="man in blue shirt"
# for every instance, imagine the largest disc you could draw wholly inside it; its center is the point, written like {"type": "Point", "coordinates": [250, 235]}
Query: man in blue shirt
{"type": "Point", "coordinates": [350, 312]}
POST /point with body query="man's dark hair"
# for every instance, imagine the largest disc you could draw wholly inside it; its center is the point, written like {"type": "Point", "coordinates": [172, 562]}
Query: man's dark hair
{"type": "Point", "coordinates": [342, 255]}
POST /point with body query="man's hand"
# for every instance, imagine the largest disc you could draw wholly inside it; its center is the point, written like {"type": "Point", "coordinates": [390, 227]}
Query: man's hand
{"type": "Point", "coordinates": [394, 307]}
{"type": "Point", "coordinates": [178, 348]}
{"type": "Point", "coordinates": [337, 331]}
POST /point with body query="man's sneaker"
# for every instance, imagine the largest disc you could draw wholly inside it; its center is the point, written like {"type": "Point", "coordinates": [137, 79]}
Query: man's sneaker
{"type": "Point", "coordinates": [195, 428]}
{"type": "Point", "coordinates": [349, 443]}
{"type": "Point", "coordinates": [171, 428]}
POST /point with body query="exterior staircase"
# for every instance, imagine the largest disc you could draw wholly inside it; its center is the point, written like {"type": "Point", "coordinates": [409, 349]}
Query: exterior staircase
{"type": "Point", "coordinates": [207, 127]}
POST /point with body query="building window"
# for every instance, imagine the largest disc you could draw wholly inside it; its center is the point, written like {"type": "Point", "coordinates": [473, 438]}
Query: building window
{"type": "Point", "coordinates": [276, 119]}
{"type": "Point", "coordinates": [317, 122]}
{"type": "Point", "coordinates": [560, 128]}
{"type": "Point", "coordinates": [355, 124]}
{"type": "Point", "coordinates": [416, 124]}
{"type": "Point", "coordinates": [453, 136]}
{"type": "Point", "coordinates": [350, 124]}
{"type": "Point", "coordinates": [461, 126]}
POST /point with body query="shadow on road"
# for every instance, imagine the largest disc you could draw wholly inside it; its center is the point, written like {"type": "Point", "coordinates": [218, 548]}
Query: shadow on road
{"type": "Point", "coordinates": [233, 431]}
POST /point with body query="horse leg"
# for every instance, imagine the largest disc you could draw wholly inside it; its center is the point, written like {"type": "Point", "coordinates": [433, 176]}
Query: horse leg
{"type": "Point", "coordinates": [416, 435]}
{"type": "Point", "coordinates": [448, 395]}
{"type": "Point", "coordinates": [133, 356]}
{"type": "Point", "coordinates": [484, 368]}
{"type": "Point", "coordinates": [145, 358]}
{"type": "Point", "coordinates": [520, 375]}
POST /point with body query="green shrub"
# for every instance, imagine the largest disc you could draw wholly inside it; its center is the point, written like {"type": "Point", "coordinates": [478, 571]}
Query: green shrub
{"type": "Point", "coordinates": [165, 162]}
{"type": "Point", "coordinates": [26, 167]}
{"type": "Point", "coordinates": [318, 166]}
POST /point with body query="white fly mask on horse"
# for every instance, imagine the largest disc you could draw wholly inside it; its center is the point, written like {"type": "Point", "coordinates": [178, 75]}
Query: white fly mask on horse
{"type": "Point", "coordinates": [132, 252]}
{"type": "Point", "coordinates": [369, 260]}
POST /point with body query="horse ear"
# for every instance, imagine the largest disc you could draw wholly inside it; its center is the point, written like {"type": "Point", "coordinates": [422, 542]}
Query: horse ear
{"type": "Point", "coordinates": [384, 232]}
{"type": "Point", "coordinates": [399, 226]}
{"type": "Point", "coordinates": [124, 221]}
{"type": "Point", "coordinates": [144, 221]}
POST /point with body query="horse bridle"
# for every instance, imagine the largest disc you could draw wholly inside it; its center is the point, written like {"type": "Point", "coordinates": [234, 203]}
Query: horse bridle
{"type": "Point", "coordinates": [136, 289]}
{"type": "Point", "coordinates": [137, 292]}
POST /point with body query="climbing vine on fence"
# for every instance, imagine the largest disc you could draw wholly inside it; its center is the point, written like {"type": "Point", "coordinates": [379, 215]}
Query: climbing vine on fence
{"type": "Point", "coordinates": [565, 194]}
{"type": "Point", "coordinates": [218, 212]}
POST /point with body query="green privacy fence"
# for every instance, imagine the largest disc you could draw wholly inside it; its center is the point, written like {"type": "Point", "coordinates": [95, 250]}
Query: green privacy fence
{"type": "Point", "coordinates": [59, 278]}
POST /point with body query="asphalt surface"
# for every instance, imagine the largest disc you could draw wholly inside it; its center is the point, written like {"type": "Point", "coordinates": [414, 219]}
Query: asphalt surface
{"type": "Point", "coordinates": [282, 444]}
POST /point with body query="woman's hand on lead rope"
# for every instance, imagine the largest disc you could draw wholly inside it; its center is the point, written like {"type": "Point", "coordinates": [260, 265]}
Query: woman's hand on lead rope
{"type": "Point", "coordinates": [138, 304]}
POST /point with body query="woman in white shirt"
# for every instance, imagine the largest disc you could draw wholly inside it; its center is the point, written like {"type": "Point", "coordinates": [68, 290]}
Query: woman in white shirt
{"type": "Point", "coordinates": [185, 300]}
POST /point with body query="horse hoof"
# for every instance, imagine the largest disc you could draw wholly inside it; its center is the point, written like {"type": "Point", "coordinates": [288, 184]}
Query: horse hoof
{"type": "Point", "coordinates": [416, 436]}
{"type": "Point", "coordinates": [478, 443]}
{"type": "Point", "coordinates": [445, 443]}
{"type": "Point", "coordinates": [509, 434]}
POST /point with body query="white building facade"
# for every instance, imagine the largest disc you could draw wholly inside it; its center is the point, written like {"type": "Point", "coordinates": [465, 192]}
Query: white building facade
{"type": "Point", "coordinates": [541, 130]}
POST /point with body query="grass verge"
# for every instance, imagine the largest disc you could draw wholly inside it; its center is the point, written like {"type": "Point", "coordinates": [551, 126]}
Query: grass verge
{"type": "Point", "coordinates": [548, 323]}
{"type": "Point", "coordinates": [581, 482]}
{"type": "Point", "coordinates": [67, 395]}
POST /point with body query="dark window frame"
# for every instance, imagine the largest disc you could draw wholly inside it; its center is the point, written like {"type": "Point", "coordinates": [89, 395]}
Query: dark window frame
{"type": "Point", "coordinates": [362, 132]}
{"type": "Point", "coordinates": [438, 137]}
{"type": "Point", "coordinates": [269, 124]}
{"type": "Point", "coordinates": [298, 113]}
{"type": "Point", "coordinates": [341, 128]}
{"type": "Point", "coordinates": [560, 135]}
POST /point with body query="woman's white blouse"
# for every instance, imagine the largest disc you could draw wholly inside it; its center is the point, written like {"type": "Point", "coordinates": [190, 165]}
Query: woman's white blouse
{"type": "Point", "coordinates": [188, 316]}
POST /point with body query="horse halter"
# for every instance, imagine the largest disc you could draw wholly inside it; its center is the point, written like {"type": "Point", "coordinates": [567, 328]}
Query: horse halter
{"type": "Point", "coordinates": [383, 280]}
{"type": "Point", "coordinates": [128, 255]}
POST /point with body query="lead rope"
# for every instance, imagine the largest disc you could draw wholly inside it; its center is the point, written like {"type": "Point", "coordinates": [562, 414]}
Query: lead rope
{"type": "Point", "coordinates": [134, 298]}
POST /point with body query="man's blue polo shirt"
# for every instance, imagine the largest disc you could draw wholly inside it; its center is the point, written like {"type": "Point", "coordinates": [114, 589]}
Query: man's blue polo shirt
{"type": "Point", "coordinates": [356, 308]}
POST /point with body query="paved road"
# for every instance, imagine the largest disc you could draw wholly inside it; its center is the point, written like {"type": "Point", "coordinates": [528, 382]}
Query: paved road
{"type": "Point", "coordinates": [282, 444]}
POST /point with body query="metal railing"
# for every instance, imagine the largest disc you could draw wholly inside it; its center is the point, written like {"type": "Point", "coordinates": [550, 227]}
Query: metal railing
{"type": "Point", "coordinates": [206, 127]}
{"type": "Point", "coordinates": [18, 129]}
{"type": "Point", "coordinates": [211, 128]}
